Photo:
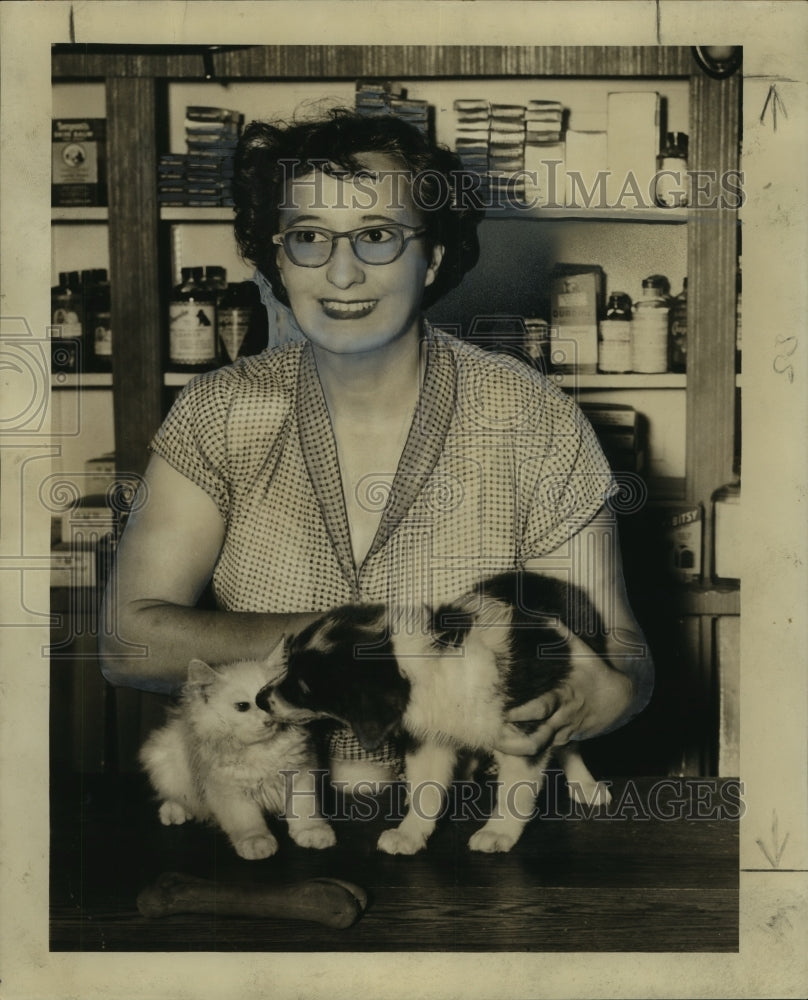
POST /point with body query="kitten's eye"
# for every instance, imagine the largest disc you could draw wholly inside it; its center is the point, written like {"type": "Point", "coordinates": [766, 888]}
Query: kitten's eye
{"type": "Point", "coordinates": [303, 686]}
{"type": "Point", "coordinates": [242, 706]}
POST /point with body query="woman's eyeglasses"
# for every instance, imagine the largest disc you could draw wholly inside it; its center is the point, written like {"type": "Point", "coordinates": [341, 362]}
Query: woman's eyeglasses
{"type": "Point", "coordinates": [309, 247]}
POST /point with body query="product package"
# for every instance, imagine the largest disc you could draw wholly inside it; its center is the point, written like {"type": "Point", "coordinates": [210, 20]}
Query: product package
{"type": "Point", "coordinates": [78, 172]}
{"type": "Point", "coordinates": [576, 297]}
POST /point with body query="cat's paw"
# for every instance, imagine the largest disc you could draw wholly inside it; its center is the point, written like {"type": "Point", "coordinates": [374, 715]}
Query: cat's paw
{"type": "Point", "coordinates": [492, 841]}
{"type": "Point", "coordinates": [396, 842]}
{"type": "Point", "coordinates": [317, 837]}
{"type": "Point", "coordinates": [173, 813]}
{"type": "Point", "coordinates": [262, 845]}
{"type": "Point", "coordinates": [595, 793]}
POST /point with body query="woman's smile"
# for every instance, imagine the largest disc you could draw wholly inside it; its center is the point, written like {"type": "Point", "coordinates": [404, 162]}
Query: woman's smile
{"type": "Point", "coordinates": [348, 309]}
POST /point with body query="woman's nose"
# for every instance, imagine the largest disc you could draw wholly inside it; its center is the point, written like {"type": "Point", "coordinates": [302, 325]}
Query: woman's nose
{"type": "Point", "coordinates": [344, 268]}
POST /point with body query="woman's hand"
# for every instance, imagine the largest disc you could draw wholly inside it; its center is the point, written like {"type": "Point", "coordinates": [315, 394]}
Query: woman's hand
{"type": "Point", "coordinates": [593, 699]}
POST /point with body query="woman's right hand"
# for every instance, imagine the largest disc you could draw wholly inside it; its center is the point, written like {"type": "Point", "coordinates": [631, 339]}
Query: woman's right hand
{"type": "Point", "coordinates": [164, 561]}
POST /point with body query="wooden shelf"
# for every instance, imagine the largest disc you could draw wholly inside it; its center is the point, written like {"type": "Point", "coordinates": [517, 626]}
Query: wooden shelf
{"type": "Point", "coordinates": [667, 216]}
{"type": "Point", "coordinates": [80, 214]}
{"type": "Point", "coordinates": [81, 380]}
{"type": "Point", "coordinates": [630, 380]}
{"type": "Point", "coordinates": [675, 216]}
{"type": "Point", "coordinates": [708, 599]}
{"type": "Point", "coordinates": [174, 213]}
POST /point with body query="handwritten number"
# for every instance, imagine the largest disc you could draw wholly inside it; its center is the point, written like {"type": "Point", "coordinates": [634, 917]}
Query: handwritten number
{"type": "Point", "coordinates": [781, 363]}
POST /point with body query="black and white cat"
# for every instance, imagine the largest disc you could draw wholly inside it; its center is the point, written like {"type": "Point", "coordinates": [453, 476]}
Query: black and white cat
{"type": "Point", "coordinates": [219, 759]}
{"type": "Point", "coordinates": [446, 678]}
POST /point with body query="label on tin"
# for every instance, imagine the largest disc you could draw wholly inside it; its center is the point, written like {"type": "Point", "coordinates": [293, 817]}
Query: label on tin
{"type": "Point", "coordinates": [192, 333]}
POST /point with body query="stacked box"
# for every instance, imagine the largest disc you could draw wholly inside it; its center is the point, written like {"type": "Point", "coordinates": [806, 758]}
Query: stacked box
{"type": "Point", "coordinates": [506, 152]}
{"type": "Point", "coordinates": [381, 97]}
{"type": "Point", "coordinates": [471, 137]}
{"type": "Point", "coordinates": [633, 139]}
{"type": "Point", "coordinates": [620, 430]}
{"type": "Point", "coordinates": [202, 176]}
{"type": "Point", "coordinates": [78, 161]}
{"type": "Point", "coordinates": [544, 154]}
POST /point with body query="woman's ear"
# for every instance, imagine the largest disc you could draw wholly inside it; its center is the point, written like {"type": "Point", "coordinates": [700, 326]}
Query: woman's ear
{"type": "Point", "coordinates": [434, 264]}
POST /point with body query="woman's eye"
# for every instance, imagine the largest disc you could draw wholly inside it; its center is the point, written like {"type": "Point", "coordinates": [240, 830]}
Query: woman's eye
{"type": "Point", "coordinates": [376, 235]}
{"type": "Point", "coordinates": [242, 706]}
{"type": "Point", "coordinates": [307, 236]}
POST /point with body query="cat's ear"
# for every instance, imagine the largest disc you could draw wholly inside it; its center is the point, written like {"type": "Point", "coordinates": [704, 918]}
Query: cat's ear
{"type": "Point", "coordinates": [276, 662]}
{"type": "Point", "coordinates": [200, 674]}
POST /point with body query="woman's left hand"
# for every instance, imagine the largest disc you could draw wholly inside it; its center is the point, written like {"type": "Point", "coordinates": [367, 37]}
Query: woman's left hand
{"type": "Point", "coordinates": [591, 700]}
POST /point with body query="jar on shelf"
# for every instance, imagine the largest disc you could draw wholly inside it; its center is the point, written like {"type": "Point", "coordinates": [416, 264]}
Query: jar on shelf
{"type": "Point", "coordinates": [241, 321]}
{"type": "Point", "coordinates": [537, 341]}
{"type": "Point", "coordinates": [192, 324]}
{"type": "Point", "coordinates": [727, 532]}
{"type": "Point", "coordinates": [99, 323]}
{"type": "Point", "coordinates": [678, 331]}
{"type": "Point", "coordinates": [67, 323]}
{"type": "Point", "coordinates": [649, 327]}
{"type": "Point", "coordinates": [671, 181]}
{"type": "Point", "coordinates": [614, 335]}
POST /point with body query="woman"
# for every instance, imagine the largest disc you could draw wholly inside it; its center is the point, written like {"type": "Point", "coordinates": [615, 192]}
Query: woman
{"type": "Point", "coordinates": [378, 460]}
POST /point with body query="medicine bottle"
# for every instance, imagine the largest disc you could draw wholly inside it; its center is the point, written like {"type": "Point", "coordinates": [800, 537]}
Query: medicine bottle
{"type": "Point", "coordinates": [678, 331]}
{"type": "Point", "coordinates": [649, 327]}
{"type": "Point", "coordinates": [671, 182]}
{"type": "Point", "coordinates": [192, 324]}
{"type": "Point", "coordinates": [99, 324]}
{"type": "Point", "coordinates": [614, 335]}
{"type": "Point", "coordinates": [67, 329]}
{"type": "Point", "coordinates": [241, 321]}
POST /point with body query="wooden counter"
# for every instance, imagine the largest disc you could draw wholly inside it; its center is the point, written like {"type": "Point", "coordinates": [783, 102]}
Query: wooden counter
{"type": "Point", "coordinates": [664, 877]}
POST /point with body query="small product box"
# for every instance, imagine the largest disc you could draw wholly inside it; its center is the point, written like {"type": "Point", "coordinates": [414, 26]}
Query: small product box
{"type": "Point", "coordinates": [72, 565]}
{"type": "Point", "coordinates": [99, 474]}
{"type": "Point", "coordinates": [78, 175]}
{"type": "Point", "coordinates": [681, 526]}
{"type": "Point", "coordinates": [576, 297]}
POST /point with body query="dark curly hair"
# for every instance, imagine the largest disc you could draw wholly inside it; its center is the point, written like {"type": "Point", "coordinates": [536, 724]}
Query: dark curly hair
{"type": "Point", "coordinates": [337, 142]}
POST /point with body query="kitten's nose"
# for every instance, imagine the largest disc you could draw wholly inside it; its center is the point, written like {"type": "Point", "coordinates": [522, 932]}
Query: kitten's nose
{"type": "Point", "coordinates": [264, 699]}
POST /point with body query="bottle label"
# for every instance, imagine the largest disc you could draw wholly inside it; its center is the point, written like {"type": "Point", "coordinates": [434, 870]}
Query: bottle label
{"type": "Point", "coordinates": [192, 333]}
{"type": "Point", "coordinates": [102, 336]}
{"type": "Point", "coordinates": [233, 327]}
{"type": "Point", "coordinates": [649, 341]}
{"type": "Point", "coordinates": [67, 324]}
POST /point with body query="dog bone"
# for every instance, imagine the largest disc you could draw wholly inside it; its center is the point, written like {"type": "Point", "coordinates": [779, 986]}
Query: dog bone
{"type": "Point", "coordinates": [325, 900]}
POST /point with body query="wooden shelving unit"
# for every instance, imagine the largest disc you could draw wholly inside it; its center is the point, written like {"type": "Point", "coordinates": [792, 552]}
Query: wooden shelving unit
{"type": "Point", "coordinates": [136, 83]}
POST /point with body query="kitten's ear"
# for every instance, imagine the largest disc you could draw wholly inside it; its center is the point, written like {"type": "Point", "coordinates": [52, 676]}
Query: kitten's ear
{"type": "Point", "coordinates": [276, 662]}
{"type": "Point", "coordinates": [200, 673]}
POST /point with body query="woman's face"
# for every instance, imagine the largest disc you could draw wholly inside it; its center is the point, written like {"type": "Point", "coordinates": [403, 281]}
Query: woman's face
{"type": "Point", "coordinates": [346, 306]}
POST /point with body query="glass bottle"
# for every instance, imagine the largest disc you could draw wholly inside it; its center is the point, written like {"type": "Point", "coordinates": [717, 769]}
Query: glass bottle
{"type": "Point", "coordinates": [99, 324]}
{"type": "Point", "coordinates": [678, 331]}
{"type": "Point", "coordinates": [614, 335]}
{"type": "Point", "coordinates": [241, 321]}
{"type": "Point", "coordinates": [649, 327]}
{"type": "Point", "coordinates": [192, 324]}
{"type": "Point", "coordinates": [67, 329]}
{"type": "Point", "coordinates": [671, 181]}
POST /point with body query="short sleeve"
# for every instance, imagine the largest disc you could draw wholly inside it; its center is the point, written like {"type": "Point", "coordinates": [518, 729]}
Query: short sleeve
{"type": "Point", "coordinates": [569, 479]}
{"type": "Point", "coordinates": [193, 437]}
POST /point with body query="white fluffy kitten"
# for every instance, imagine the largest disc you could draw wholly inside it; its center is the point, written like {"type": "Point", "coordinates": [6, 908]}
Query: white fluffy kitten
{"type": "Point", "coordinates": [219, 759]}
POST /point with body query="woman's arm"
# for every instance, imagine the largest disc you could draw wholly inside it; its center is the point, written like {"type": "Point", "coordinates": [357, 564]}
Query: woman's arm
{"type": "Point", "coordinates": [164, 561]}
{"type": "Point", "coordinates": [599, 694]}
